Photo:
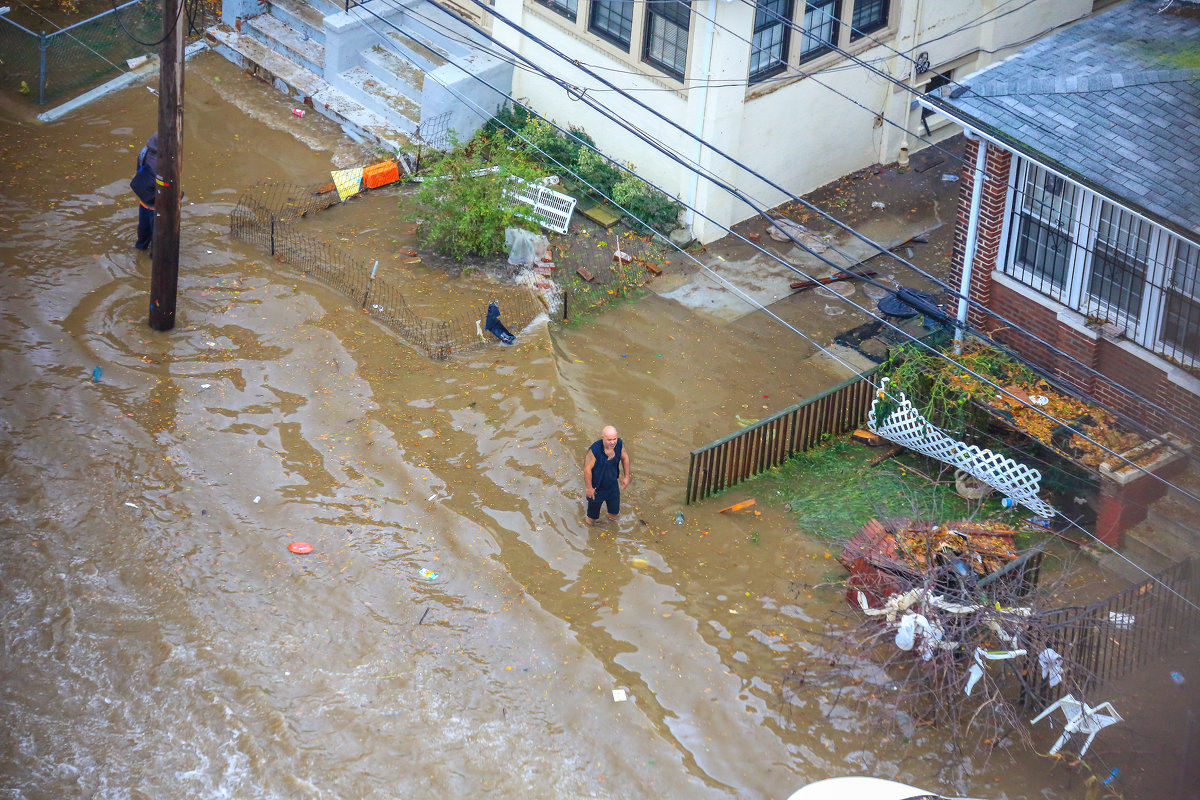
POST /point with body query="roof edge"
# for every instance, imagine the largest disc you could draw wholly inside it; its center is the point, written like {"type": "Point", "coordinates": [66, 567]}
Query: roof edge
{"type": "Point", "coordinates": [998, 137]}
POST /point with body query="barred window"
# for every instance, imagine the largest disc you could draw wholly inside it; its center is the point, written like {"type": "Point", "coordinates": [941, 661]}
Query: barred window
{"type": "Point", "coordinates": [667, 34]}
{"type": "Point", "coordinates": [820, 34]}
{"type": "Point", "coordinates": [612, 20]}
{"type": "Point", "coordinates": [869, 16]}
{"type": "Point", "coordinates": [1181, 313]}
{"type": "Point", "coordinates": [568, 8]}
{"type": "Point", "coordinates": [1119, 261]}
{"type": "Point", "coordinates": [769, 49]}
{"type": "Point", "coordinates": [1045, 216]}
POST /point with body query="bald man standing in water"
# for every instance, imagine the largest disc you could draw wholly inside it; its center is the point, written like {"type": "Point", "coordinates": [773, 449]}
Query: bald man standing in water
{"type": "Point", "coordinates": [602, 475]}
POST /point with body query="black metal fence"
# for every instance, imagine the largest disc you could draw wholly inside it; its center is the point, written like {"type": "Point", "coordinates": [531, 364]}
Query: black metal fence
{"type": "Point", "coordinates": [1109, 639]}
{"type": "Point", "coordinates": [268, 216]}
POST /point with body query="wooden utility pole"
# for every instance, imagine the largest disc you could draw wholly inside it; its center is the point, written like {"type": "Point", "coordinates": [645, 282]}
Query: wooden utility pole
{"type": "Point", "coordinates": [164, 270]}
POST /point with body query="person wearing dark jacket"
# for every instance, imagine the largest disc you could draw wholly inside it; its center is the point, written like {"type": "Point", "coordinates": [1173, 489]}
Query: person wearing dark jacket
{"type": "Point", "coordinates": [143, 185]}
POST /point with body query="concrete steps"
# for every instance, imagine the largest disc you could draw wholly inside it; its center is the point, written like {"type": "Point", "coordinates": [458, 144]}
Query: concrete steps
{"type": "Point", "coordinates": [388, 101]}
{"type": "Point", "coordinates": [297, 45]}
{"type": "Point", "coordinates": [367, 71]}
{"type": "Point", "coordinates": [303, 84]}
{"type": "Point", "coordinates": [1169, 534]}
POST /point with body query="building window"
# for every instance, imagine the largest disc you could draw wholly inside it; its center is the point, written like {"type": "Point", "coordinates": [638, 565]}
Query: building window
{"type": "Point", "coordinates": [769, 48]}
{"type": "Point", "coordinates": [1045, 217]}
{"type": "Point", "coordinates": [612, 20]}
{"type": "Point", "coordinates": [1119, 261]}
{"type": "Point", "coordinates": [1105, 262]}
{"type": "Point", "coordinates": [1181, 313]}
{"type": "Point", "coordinates": [820, 31]}
{"type": "Point", "coordinates": [869, 16]}
{"type": "Point", "coordinates": [568, 8]}
{"type": "Point", "coordinates": [667, 34]}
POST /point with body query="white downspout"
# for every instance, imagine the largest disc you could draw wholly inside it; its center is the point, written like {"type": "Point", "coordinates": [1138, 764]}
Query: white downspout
{"type": "Point", "coordinates": [701, 109]}
{"type": "Point", "coordinates": [972, 233]}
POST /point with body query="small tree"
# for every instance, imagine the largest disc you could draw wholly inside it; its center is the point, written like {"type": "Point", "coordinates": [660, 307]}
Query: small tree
{"type": "Point", "coordinates": [464, 210]}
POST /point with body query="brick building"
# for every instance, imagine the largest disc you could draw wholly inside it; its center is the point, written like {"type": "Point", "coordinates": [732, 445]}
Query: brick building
{"type": "Point", "coordinates": [1088, 218]}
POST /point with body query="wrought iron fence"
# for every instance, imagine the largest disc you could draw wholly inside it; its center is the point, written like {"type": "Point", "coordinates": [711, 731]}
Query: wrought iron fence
{"type": "Point", "coordinates": [1110, 638]}
{"type": "Point", "coordinates": [268, 215]}
{"type": "Point", "coordinates": [50, 65]}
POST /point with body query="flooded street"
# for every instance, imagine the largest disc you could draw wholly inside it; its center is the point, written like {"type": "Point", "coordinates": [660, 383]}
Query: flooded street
{"type": "Point", "coordinates": [159, 640]}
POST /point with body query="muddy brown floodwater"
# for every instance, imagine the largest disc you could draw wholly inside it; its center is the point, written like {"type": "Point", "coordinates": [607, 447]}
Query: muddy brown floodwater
{"type": "Point", "coordinates": [159, 640]}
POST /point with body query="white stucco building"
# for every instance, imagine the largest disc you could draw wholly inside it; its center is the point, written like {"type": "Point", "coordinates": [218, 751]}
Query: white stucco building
{"type": "Point", "coordinates": [772, 83]}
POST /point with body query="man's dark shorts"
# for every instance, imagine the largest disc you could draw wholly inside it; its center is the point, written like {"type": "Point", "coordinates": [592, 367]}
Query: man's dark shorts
{"type": "Point", "coordinates": [613, 501]}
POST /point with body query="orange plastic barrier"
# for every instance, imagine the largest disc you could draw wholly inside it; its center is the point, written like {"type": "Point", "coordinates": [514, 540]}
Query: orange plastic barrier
{"type": "Point", "coordinates": [380, 174]}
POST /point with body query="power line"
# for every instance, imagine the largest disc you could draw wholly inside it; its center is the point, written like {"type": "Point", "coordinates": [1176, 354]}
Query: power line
{"type": "Point", "coordinates": [734, 191]}
{"type": "Point", "coordinates": [749, 299]}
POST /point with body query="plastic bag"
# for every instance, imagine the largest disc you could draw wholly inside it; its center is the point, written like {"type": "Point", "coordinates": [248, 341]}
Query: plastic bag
{"type": "Point", "coordinates": [906, 632]}
{"type": "Point", "coordinates": [525, 248]}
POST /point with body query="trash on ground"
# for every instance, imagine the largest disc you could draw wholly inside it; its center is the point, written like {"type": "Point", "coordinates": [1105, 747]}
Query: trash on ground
{"type": "Point", "coordinates": [428, 574]}
{"type": "Point", "coordinates": [738, 506]}
{"type": "Point", "coordinates": [619, 695]}
{"type": "Point", "coordinates": [495, 327]}
{"type": "Point", "coordinates": [844, 275]}
{"type": "Point", "coordinates": [131, 505]}
{"type": "Point", "coordinates": [1178, 678]}
{"type": "Point", "coordinates": [257, 497]}
{"type": "Point", "coordinates": [877, 204]}
{"type": "Point", "coordinates": [949, 177]}
{"type": "Point", "coordinates": [96, 374]}
{"type": "Point", "coordinates": [300, 548]}
{"type": "Point", "coordinates": [678, 517]}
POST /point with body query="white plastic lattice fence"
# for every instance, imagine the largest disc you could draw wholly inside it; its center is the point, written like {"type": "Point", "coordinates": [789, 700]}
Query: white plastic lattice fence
{"type": "Point", "coordinates": [906, 426]}
{"type": "Point", "coordinates": [553, 209]}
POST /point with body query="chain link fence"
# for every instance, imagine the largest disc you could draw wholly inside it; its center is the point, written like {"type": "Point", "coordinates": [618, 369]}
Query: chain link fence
{"type": "Point", "coordinates": [268, 216]}
{"type": "Point", "coordinates": [48, 62]}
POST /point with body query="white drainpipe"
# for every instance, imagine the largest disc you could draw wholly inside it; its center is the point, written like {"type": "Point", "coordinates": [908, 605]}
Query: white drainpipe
{"type": "Point", "coordinates": [972, 233]}
{"type": "Point", "coordinates": [701, 108]}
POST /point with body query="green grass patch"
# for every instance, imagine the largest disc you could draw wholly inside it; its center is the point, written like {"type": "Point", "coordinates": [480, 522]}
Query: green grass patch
{"type": "Point", "coordinates": [832, 490]}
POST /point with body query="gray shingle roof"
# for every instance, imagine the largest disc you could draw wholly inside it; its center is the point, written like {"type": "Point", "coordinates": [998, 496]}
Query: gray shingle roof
{"type": "Point", "coordinates": [1113, 100]}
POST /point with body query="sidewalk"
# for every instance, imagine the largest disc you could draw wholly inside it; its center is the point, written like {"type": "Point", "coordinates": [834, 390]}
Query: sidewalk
{"type": "Point", "coordinates": [916, 221]}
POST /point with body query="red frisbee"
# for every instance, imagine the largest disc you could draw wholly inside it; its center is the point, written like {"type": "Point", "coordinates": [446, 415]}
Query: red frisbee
{"type": "Point", "coordinates": [301, 548]}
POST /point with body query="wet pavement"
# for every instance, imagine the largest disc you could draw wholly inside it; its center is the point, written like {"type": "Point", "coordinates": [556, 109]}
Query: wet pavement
{"type": "Point", "coordinates": [159, 640]}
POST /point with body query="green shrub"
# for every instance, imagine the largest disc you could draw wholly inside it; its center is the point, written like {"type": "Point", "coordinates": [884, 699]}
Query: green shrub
{"type": "Point", "coordinates": [463, 214]}
{"type": "Point", "coordinates": [642, 201]}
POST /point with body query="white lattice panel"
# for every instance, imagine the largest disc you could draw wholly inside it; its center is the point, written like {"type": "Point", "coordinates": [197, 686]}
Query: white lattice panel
{"type": "Point", "coordinates": [905, 426]}
{"type": "Point", "coordinates": [553, 209]}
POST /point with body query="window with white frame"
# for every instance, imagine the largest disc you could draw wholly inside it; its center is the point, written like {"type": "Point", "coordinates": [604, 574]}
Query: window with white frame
{"type": "Point", "coordinates": [667, 34]}
{"type": "Point", "coordinates": [1180, 330]}
{"type": "Point", "coordinates": [1043, 226]}
{"type": "Point", "coordinates": [1104, 261]}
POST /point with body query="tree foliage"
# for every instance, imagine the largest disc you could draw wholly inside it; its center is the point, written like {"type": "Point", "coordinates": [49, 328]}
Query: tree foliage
{"type": "Point", "coordinates": [462, 209]}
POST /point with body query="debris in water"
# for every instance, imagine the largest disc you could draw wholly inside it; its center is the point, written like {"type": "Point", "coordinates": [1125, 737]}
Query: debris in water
{"type": "Point", "coordinates": [300, 548]}
{"type": "Point", "coordinates": [96, 374]}
{"type": "Point", "coordinates": [619, 695]}
{"type": "Point", "coordinates": [428, 574]}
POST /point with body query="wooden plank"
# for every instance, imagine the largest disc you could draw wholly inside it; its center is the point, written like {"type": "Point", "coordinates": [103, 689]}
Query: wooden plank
{"type": "Point", "coordinates": [585, 274]}
{"type": "Point", "coordinates": [800, 286]}
{"type": "Point", "coordinates": [653, 269]}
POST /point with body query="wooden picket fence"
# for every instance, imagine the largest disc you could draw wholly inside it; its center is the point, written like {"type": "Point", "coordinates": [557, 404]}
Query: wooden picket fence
{"type": "Point", "coordinates": [771, 441]}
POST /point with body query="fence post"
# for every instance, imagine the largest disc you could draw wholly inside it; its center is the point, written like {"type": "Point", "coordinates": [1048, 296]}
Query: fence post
{"type": "Point", "coordinates": [42, 69]}
{"type": "Point", "coordinates": [272, 233]}
{"type": "Point", "coordinates": [370, 282]}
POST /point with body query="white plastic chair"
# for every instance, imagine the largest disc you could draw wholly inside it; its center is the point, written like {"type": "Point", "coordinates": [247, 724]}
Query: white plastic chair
{"type": "Point", "coordinates": [1081, 718]}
